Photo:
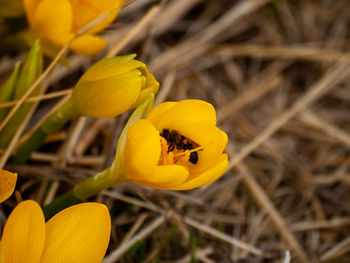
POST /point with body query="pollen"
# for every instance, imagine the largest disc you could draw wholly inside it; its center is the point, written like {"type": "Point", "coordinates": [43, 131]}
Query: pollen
{"type": "Point", "coordinates": [166, 157]}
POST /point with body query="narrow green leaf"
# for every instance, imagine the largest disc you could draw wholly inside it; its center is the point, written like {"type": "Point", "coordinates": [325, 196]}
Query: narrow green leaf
{"type": "Point", "coordinates": [30, 71]}
{"type": "Point", "coordinates": [7, 90]}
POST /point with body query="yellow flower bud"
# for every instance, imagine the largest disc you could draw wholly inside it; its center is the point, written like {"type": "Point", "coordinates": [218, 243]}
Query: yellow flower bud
{"type": "Point", "coordinates": [56, 22]}
{"type": "Point", "coordinates": [177, 147]}
{"type": "Point", "coordinates": [113, 86]}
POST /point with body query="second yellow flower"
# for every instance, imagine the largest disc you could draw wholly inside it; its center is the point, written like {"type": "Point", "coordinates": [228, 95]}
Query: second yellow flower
{"type": "Point", "coordinates": [56, 22]}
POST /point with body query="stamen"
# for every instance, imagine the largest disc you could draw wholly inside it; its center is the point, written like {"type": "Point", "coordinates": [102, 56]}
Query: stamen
{"type": "Point", "coordinates": [185, 157]}
{"type": "Point", "coordinates": [200, 148]}
{"type": "Point", "coordinates": [167, 157]}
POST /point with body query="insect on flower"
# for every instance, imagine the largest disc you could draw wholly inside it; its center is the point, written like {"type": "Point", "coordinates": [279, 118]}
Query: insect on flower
{"type": "Point", "coordinates": [174, 150]}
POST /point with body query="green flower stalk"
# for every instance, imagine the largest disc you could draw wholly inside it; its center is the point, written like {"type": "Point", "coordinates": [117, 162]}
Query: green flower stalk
{"type": "Point", "coordinates": [109, 88]}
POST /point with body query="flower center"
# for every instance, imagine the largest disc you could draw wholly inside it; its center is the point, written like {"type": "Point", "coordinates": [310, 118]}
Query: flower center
{"type": "Point", "coordinates": [177, 149]}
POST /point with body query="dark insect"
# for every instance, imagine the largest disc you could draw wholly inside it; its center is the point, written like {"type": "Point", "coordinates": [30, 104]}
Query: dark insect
{"type": "Point", "coordinates": [165, 133]}
{"type": "Point", "coordinates": [171, 147]}
{"type": "Point", "coordinates": [180, 142]}
{"type": "Point", "coordinates": [193, 157]}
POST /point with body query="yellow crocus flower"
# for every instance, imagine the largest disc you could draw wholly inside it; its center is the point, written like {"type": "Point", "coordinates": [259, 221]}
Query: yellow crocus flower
{"type": "Point", "coordinates": [78, 234]}
{"type": "Point", "coordinates": [57, 21]}
{"type": "Point", "coordinates": [177, 147]}
{"type": "Point", "coordinates": [7, 184]}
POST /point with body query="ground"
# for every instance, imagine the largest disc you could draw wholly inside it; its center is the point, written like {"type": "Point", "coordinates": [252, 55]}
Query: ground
{"type": "Point", "coordinates": [277, 73]}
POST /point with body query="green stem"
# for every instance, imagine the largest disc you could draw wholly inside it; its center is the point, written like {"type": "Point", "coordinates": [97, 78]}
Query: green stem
{"type": "Point", "coordinates": [82, 191]}
{"type": "Point", "coordinates": [94, 185]}
{"type": "Point", "coordinates": [53, 123]}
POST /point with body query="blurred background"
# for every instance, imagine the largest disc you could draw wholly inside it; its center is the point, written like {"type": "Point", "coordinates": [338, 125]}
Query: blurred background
{"type": "Point", "coordinates": [277, 73]}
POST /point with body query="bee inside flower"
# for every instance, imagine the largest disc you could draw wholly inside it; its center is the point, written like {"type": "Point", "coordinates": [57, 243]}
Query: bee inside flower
{"type": "Point", "coordinates": [177, 149]}
{"type": "Point", "coordinates": [174, 150]}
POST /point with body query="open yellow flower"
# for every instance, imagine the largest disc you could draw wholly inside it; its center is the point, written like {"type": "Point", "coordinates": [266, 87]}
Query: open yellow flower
{"type": "Point", "coordinates": [57, 21]}
{"type": "Point", "coordinates": [7, 184]}
{"type": "Point", "coordinates": [177, 147]}
{"type": "Point", "coordinates": [78, 234]}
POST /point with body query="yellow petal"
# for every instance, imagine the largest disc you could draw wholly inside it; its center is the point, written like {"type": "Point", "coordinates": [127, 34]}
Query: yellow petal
{"type": "Point", "coordinates": [158, 112]}
{"type": "Point", "coordinates": [108, 97]}
{"type": "Point", "coordinates": [187, 112]}
{"type": "Point", "coordinates": [151, 86]}
{"type": "Point", "coordinates": [87, 10]}
{"type": "Point", "coordinates": [78, 234]}
{"type": "Point", "coordinates": [169, 175]}
{"type": "Point", "coordinates": [152, 83]}
{"type": "Point", "coordinates": [53, 21]}
{"type": "Point", "coordinates": [29, 7]}
{"type": "Point", "coordinates": [7, 184]}
{"type": "Point", "coordinates": [165, 176]}
{"type": "Point", "coordinates": [205, 177]}
{"type": "Point", "coordinates": [110, 67]}
{"type": "Point", "coordinates": [143, 95]}
{"type": "Point", "coordinates": [224, 139]}
{"type": "Point", "coordinates": [24, 234]}
{"type": "Point", "coordinates": [108, 17]}
{"type": "Point", "coordinates": [88, 44]}
{"type": "Point", "coordinates": [142, 150]}
{"type": "Point", "coordinates": [1, 256]}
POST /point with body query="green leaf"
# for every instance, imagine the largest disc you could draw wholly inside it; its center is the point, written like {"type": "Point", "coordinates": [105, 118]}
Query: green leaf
{"type": "Point", "coordinates": [30, 71]}
{"type": "Point", "coordinates": [7, 90]}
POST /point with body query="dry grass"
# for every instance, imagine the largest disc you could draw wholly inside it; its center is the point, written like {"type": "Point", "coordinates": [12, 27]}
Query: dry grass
{"type": "Point", "coordinates": [277, 73]}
